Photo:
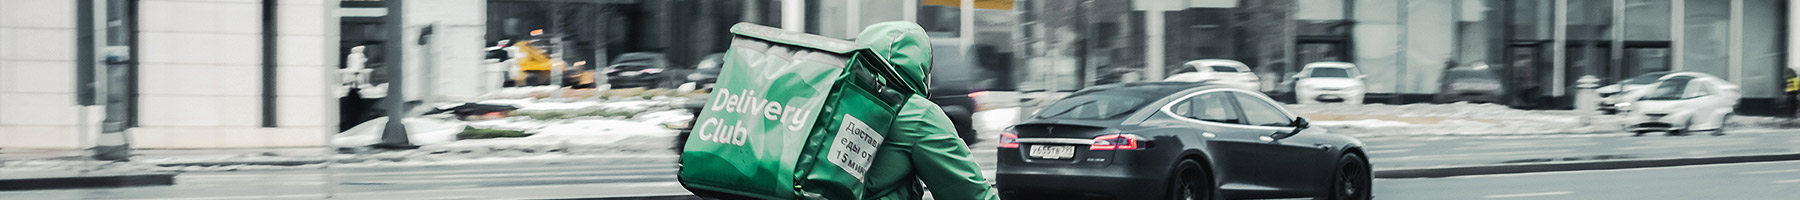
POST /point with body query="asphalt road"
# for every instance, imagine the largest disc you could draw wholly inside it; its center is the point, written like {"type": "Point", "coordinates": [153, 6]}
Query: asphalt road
{"type": "Point", "coordinates": [652, 175]}
{"type": "Point", "coordinates": [1414, 152]}
{"type": "Point", "coordinates": [1765, 180]}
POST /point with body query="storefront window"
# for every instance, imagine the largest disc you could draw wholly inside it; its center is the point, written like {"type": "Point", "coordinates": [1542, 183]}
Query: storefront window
{"type": "Point", "coordinates": [1706, 37]}
{"type": "Point", "coordinates": [1589, 40]}
{"type": "Point", "coordinates": [1763, 31]}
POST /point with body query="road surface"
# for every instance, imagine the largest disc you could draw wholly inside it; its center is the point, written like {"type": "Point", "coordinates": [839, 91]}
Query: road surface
{"type": "Point", "coordinates": [653, 174]}
{"type": "Point", "coordinates": [1765, 180]}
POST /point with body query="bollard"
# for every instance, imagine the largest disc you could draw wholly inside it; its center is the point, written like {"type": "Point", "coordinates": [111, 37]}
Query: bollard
{"type": "Point", "coordinates": [1585, 97]}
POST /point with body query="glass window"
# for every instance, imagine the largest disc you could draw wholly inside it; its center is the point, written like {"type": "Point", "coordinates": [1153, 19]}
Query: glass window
{"type": "Point", "coordinates": [1260, 113]}
{"type": "Point", "coordinates": [1092, 107]}
{"type": "Point", "coordinates": [1223, 68]}
{"type": "Point", "coordinates": [1696, 89]}
{"type": "Point", "coordinates": [1213, 107]}
{"type": "Point", "coordinates": [1706, 36]}
{"type": "Point", "coordinates": [1669, 89]}
{"type": "Point", "coordinates": [1645, 79]}
{"type": "Point", "coordinates": [1328, 72]}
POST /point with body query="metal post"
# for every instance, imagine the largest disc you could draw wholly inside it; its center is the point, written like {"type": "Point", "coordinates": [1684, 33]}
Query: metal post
{"type": "Point", "coordinates": [394, 136]}
{"type": "Point", "coordinates": [1400, 53]}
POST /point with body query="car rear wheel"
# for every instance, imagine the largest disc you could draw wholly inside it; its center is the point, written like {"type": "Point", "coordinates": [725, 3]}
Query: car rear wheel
{"type": "Point", "coordinates": [1190, 182]}
{"type": "Point", "coordinates": [1352, 180]}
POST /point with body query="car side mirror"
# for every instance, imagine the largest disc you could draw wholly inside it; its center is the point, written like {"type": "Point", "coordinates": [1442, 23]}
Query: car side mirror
{"type": "Point", "coordinates": [1300, 124]}
{"type": "Point", "coordinates": [1360, 77]}
{"type": "Point", "coordinates": [1297, 76]}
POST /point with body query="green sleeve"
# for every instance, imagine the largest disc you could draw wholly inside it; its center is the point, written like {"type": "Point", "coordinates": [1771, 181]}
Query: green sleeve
{"type": "Point", "coordinates": [939, 157]}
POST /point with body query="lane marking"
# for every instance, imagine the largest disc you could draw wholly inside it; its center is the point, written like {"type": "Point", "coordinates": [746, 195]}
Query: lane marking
{"type": "Point", "coordinates": [1488, 154]}
{"type": "Point", "coordinates": [1389, 151]}
{"type": "Point", "coordinates": [1772, 171]}
{"type": "Point", "coordinates": [1519, 146]}
{"type": "Point", "coordinates": [1387, 146]}
{"type": "Point", "coordinates": [492, 180]}
{"type": "Point", "coordinates": [1497, 196]}
{"type": "Point", "coordinates": [1787, 181]}
{"type": "Point", "coordinates": [1681, 146]}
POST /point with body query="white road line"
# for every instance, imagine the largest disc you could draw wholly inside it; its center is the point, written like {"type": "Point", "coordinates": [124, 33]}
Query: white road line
{"type": "Point", "coordinates": [1681, 146]}
{"type": "Point", "coordinates": [565, 174]}
{"type": "Point", "coordinates": [1497, 196]}
{"type": "Point", "coordinates": [1787, 181]}
{"type": "Point", "coordinates": [1523, 145]}
{"type": "Point", "coordinates": [1489, 154]}
{"type": "Point", "coordinates": [1386, 146]}
{"type": "Point", "coordinates": [454, 180]}
{"type": "Point", "coordinates": [1772, 171]}
{"type": "Point", "coordinates": [1389, 151]}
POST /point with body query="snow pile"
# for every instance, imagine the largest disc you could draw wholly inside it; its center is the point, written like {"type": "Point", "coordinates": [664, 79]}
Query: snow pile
{"type": "Point", "coordinates": [1376, 120]}
{"type": "Point", "coordinates": [996, 119]}
{"type": "Point", "coordinates": [1363, 123]}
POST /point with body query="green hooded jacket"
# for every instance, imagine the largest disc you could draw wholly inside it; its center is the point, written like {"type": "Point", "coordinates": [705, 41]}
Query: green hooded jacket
{"type": "Point", "coordinates": [923, 145]}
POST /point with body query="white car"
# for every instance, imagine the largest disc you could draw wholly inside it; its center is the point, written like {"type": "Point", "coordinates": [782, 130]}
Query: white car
{"type": "Point", "coordinates": [1617, 98]}
{"type": "Point", "coordinates": [1219, 71]}
{"type": "Point", "coordinates": [1329, 82]}
{"type": "Point", "coordinates": [1682, 103]}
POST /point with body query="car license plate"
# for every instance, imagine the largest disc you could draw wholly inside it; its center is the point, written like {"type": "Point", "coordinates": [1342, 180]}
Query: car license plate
{"type": "Point", "coordinates": [629, 73]}
{"type": "Point", "coordinates": [1330, 97]}
{"type": "Point", "coordinates": [1052, 151]}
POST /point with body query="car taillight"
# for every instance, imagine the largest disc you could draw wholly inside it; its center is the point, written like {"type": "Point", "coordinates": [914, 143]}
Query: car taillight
{"type": "Point", "coordinates": [1009, 140]}
{"type": "Point", "coordinates": [977, 94]}
{"type": "Point", "coordinates": [651, 70]}
{"type": "Point", "coordinates": [1115, 142]}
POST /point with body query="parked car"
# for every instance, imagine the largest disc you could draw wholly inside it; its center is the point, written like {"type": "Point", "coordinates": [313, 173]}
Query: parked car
{"type": "Point", "coordinates": [1682, 103]}
{"type": "Point", "coordinates": [1218, 71]}
{"type": "Point", "coordinates": [1329, 82]}
{"type": "Point", "coordinates": [1470, 84]}
{"type": "Point", "coordinates": [1617, 97]}
{"type": "Point", "coordinates": [1176, 140]}
{"type": "Point", "coordinates": [637, 69]}
{"type": "Point", "coordinates": [952, 80]}
{"type": "Point", "coordinates": [706, 72]}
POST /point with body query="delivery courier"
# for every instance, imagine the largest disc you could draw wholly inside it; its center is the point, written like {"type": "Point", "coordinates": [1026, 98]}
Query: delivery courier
{"type": "Point", "coordinates": [800, 116]}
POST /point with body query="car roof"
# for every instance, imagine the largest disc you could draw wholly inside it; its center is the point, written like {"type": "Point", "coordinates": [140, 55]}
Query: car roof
{"type": "Point", "coordinates": [1143, 89]}
{"type": "Point", "coordinates": [1333, 64]}
{"type": "Point", "coordinates": [1695, 75]}
{"type": "Point", "coordinates": [1215, 62]}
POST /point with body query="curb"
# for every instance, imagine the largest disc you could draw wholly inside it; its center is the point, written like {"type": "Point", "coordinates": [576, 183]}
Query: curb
{"type": "Point", "coordinates": [87, 181]}
{"type": "Point", "coordinates": [1438, 172]}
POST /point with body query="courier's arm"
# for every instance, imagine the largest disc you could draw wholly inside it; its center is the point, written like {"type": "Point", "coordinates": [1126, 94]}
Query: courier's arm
{"type": "Point", "coordinates": [939, 157]}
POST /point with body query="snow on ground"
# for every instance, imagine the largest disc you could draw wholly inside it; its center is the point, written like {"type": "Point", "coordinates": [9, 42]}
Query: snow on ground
{"type": "Point", "coordinates": [1378, 120]}
{"type": "Point", "coordinates": [996, 119]}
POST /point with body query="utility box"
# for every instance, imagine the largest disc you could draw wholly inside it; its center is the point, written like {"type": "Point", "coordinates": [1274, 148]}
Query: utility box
{"type": "Point", "coordinates": [793, 116]}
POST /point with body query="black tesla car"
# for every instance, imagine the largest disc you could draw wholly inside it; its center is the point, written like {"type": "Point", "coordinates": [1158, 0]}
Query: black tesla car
{"type": "Point", "coordinates": [1168, 140]}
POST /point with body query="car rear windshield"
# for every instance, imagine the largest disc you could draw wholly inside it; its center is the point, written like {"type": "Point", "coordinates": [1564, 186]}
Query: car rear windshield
{"type": "Point", "coordinates": [1645, 79]}
{"type": "Point", "coordinates": [1671, 89]}
{"type": "Point", "coordinates": [1329, 72]}
{"type": "Point", "coordinates": [1097, 106]}
{"type": "Point", "coordinates": [1222, 68]}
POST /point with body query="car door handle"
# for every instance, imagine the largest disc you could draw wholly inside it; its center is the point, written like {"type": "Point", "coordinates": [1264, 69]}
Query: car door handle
{"type": "Point", "coordinates": [1323, 146]}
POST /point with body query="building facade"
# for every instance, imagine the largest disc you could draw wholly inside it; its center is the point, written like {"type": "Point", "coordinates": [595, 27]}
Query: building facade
{"type": "Point", "coordinates": [171, 73]}
{"type": "Point", "coordinates": [1540, 46]}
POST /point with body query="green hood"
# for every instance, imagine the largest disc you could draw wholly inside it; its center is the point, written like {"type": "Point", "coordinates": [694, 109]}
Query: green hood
{"type": "Point", "coordinates": [905, 45]}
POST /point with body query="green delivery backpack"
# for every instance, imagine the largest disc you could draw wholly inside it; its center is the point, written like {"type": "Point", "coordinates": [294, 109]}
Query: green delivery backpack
{"type": "Point", "coordinates": [793, 116]}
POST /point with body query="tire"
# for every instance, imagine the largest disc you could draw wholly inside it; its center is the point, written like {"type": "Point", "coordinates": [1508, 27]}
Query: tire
{"type": "Point", "coordinates": [1723, 121]}
{"type": "Point", "coordinates": [1191, 181]}
{"type": "Point", "coordinates": [1352, 180]}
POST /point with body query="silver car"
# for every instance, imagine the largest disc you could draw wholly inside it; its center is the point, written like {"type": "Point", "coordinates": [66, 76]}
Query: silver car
{"type": "Point", "coordinates": [1682, 103]}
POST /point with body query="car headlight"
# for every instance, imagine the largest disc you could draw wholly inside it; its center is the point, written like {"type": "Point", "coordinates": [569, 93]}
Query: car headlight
{"type": "Point", "coordinates": [693, 77]}
{"type": "Point", "coordinates": [1622, 104]}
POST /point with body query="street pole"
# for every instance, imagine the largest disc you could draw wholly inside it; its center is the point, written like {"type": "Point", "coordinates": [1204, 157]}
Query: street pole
{"type": "Point", "coordinates": [394, 136]}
